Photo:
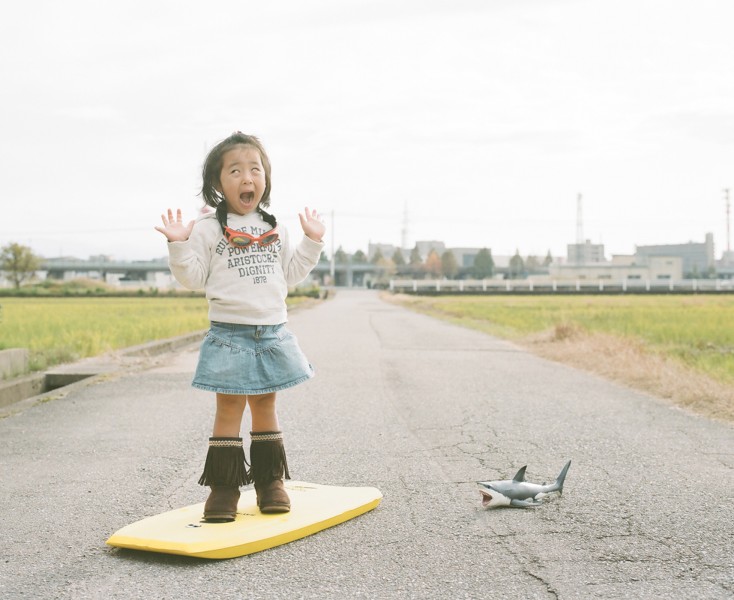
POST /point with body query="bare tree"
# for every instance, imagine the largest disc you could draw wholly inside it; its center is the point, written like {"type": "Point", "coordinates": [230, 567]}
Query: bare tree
{"type": "Point", "coordinates": [19, 263]}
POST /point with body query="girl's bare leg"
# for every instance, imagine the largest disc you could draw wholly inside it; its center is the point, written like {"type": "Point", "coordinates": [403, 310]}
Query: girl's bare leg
{"type": "Point", "coordinates": [228, 418]}
{"type": "Point", "coordinates": [262, 409]}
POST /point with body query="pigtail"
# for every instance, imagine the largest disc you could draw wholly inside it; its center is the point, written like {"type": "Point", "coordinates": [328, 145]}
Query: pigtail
{"type": "Point", "coordinates": [267, 217]}
{"type": "Point", "coordinates": [221, 212]}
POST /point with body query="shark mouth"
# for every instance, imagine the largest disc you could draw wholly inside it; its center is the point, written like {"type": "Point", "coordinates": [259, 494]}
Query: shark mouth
{"type": "Point", "coordinates": [486, 499]}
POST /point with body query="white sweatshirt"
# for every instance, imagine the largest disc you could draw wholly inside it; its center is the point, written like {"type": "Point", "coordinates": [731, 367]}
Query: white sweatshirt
{"type": "Point", "coordinates": [243, 285]}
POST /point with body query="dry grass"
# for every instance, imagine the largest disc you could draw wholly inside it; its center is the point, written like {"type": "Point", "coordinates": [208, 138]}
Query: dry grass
{"type": "Point", "coordinates": [632, 363]}
{"type": "Point", "coordinates": [626, 359]}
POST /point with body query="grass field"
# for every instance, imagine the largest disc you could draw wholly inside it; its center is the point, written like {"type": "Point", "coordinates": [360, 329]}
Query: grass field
{"type": "Point", "coordinates": [57, 330]}
{"type": "Point", "coordinates": [696, 330]}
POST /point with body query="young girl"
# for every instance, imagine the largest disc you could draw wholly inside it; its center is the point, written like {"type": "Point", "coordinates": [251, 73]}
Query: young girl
{"type": "Point", "coordinates": [244, 260]}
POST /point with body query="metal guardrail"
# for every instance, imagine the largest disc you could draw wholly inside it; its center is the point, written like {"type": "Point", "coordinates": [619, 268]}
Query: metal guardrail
{"type": "Point", "coordinates": [528, 286]}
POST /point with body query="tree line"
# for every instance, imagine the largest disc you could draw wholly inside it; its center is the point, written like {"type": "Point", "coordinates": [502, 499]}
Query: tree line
{"type": "Point", "coordinates": [437, 265]}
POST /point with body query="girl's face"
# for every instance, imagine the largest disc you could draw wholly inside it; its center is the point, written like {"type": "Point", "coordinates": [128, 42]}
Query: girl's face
{"type": "Point", "coordinates": [242, 179]}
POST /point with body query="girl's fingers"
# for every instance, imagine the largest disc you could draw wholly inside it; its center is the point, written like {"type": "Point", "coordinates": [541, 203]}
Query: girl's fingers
{"type": "Point", "coordinates": [170, 220]}
{"type": "Point", "coordinates": [311, 214]}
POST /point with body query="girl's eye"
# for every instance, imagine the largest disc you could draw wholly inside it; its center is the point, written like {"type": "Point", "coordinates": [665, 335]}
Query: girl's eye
{"type": "Point", "coordinates": [256, 170]}
{"type": "Point", "coordinates": [235, 172]}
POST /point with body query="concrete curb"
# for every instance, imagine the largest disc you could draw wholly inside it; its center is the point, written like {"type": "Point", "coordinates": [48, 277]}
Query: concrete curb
{"type": "Point", "coordinates": [162, 346]}
{"type": "Point", "coordinates": [30, 388]}
{"type": "Point", "coordinates": [13, 360]}
{"type": "Point", "coordinates": [18, 389]}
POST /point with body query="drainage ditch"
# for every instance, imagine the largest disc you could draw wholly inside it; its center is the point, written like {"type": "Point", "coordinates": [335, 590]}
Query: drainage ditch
{"type": "Point", "coordinates": [33, 385]}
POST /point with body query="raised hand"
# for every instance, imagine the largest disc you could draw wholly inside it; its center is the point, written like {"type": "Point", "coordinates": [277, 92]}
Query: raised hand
{"type": "Point", "coordinates": [175, 231]}
{"type": "Point", "coordinates": [312, 225]}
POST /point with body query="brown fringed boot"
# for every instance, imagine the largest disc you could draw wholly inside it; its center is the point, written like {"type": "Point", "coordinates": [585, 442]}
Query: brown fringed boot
{"type": "Point", "coordinates": [224, 471]}
{"type": "Point", "coordinates": [269, 465]}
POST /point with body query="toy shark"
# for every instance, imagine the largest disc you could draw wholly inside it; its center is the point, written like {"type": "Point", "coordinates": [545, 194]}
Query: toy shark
{"type": "Point", "coordinates": [517, 492]}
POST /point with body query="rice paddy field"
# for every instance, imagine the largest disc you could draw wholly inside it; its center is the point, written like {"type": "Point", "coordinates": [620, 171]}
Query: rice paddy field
{"type": "Point", "coordinates": [697, 331]}
{"type": "Point", "coordinates": [57, 330]}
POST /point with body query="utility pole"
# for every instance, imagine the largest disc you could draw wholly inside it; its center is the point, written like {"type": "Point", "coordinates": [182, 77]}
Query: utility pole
{"type": "Point", "coordinates": [580, 251]}
{"type": "Point", "coordinates": [579, 221]}
{"type": "Point", "coordinates": [404, 230]}
{"type": "Point", "coordinates": [728, 228]}
{"type": "Point", "coordinates": [333, 258]}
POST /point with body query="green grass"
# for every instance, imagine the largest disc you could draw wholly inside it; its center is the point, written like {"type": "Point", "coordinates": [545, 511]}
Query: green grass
{"type": "Point", "coordinates": [697, 330]}
{"type": "Point", "coordinates": [57, 330]}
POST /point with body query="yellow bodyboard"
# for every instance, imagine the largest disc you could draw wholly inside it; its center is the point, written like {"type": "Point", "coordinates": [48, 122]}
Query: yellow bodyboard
{"type": "Point", "coordinates": [314, 507]}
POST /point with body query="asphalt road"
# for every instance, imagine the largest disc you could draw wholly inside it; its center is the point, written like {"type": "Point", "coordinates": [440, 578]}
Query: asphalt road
{"type": "Point", "coordinates": [416, 407]}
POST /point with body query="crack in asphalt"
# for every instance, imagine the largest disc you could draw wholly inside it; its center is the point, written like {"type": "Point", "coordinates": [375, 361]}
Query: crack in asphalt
{"type": "Point", "coordinates": [549, 588]}
{"type": "Point", "coordinates": [605, 536]}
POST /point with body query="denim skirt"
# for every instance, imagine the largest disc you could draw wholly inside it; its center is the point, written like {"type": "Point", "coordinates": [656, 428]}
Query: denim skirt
{"type": "Point", "coordinates": [250, 359]}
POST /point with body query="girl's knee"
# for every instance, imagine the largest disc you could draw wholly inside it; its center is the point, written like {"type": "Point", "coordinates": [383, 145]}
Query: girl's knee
{"type": "Point", "coordinates": [262, 401]}
{"type": "Point", "coordinates": [231, 403]}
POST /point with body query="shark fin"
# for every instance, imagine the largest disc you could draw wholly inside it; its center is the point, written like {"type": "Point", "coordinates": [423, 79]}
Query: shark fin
{"type": "Point", "coordinates": [520, 474]}
{"type": "Point", "coordinates": [524, 503]}
{"type": "Point", "coordinates": [562, 477]}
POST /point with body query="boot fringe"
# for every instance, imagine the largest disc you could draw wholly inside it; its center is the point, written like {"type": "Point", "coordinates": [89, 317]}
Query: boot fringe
{"type": "Point", "coordinates": [225, 464]}
{"type": "Point", "coordinates": [268, 458]}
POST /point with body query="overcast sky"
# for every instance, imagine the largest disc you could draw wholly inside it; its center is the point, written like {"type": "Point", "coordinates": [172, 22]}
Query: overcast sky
{"type": "Point", "coordinates": [484, 119]}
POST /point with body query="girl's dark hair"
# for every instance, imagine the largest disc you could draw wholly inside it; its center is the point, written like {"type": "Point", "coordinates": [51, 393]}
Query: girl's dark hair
{"type": "Point", "coordinates": [213, 167]}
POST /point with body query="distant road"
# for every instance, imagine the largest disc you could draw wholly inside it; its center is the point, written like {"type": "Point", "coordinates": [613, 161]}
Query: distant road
{"type": "Point", "coordinates": [417, 407]}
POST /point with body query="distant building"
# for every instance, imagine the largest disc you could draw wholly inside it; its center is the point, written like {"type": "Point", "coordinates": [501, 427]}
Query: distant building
{"type": "Point", "coordinates": [698, 258]}
{"type": "Point", "coordinates": [621, 267]}
{"type": "Point", "coordinates": [585, 254]}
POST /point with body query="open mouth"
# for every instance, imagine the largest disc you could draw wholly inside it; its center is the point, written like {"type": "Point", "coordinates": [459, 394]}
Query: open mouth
{"type": "Point", "coordinates": [247, 197]}
{"type": "Point", "coordinates": [486, 498]}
